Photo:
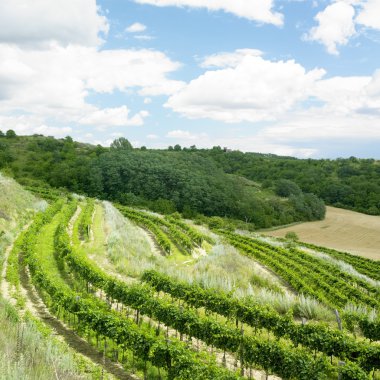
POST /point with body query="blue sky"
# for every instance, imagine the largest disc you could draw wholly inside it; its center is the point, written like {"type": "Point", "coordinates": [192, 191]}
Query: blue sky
{"type": "Point", "coordinates": [288, 77]}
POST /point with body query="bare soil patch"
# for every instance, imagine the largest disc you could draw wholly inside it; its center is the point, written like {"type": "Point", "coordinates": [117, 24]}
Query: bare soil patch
{"type": "Point", "coordinates": [342, 230]}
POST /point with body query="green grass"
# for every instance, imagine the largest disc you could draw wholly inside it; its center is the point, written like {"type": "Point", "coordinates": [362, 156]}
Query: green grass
{"type": "Point", "coordinates": [45, 248]}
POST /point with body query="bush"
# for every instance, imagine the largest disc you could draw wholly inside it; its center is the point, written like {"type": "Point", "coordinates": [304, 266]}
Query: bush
{"type": "Point", "coordinates": [291, 235]}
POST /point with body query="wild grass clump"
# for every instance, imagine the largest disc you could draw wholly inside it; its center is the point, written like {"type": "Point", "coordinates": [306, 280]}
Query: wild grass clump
{"type": "Point", "coordinates": [128, 247]}
{"type": "Point", "coordinates": [225, 269]}
{"type": "Point", "coordinates": [347, 268]}
{"type": "Point", "coordinates": [25, 353]}
{"type": "Point", "coordinates": [300, 306]}
{"type": "Point", "coordinates": [361, 310]}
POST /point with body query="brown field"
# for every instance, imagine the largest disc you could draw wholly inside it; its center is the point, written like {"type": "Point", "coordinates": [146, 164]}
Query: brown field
{"type": "Point", "coordinates": [343, 230]}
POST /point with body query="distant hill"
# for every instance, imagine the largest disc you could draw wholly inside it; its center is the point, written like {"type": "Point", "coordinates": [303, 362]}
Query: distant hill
{"type": "Point", "coordinates": [190, 181]}
{"type": "Point", "coordinates": [350, 183]}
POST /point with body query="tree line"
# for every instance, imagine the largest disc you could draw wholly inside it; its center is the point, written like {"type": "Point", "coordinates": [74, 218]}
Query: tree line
{"type": "Point", "coordinates": [189, 181]}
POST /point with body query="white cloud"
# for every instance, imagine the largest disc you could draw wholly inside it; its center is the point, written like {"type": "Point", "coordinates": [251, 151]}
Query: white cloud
{"type": "Point", "coordinates": [335, 26]}
{"type": "Point", "coordinates": [254, 89]}
{"type": "Point", "coordinates": [147, 100]}
{"type": "Point", "coordinates": [55, 82]}
{"type": "Point", "coordinates": [228, 59]}
{"type": "Point", "coordinates": [113, 117]}
{"type": "Point", "coordinates": [181, 135]}
{"type": "Point", "coordinates": [40, 22]}
{"type": "Point", "coordinates": [152, 137]}
{"type": "Point", "coordinates": [136, 28]}
{"type": "Point", "coordinates": [255, 10]}
{"type": "Point", "coordinates": [143, 37]}
{"type": "Point", "coordinates": [369, 16]}
{"type": "Point", "coordinates": [30, 124]}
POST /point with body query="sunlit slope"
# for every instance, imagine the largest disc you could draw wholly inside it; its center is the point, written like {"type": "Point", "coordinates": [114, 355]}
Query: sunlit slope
{"type": "Point", "coordinates": [342, 230]}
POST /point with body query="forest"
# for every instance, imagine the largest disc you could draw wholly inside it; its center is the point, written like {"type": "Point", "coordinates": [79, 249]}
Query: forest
{"type": "Point", "coordinates": [262, 189]}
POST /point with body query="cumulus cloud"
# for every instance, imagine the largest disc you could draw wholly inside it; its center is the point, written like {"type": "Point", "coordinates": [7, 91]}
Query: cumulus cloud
{"type": "Point", "coordinates": [182, 135]}
{"type": "Point", "coordinates": [255, 10]}
{"type": "Point", "coordinates": [55, 82]}
{"type": "Point", "coordinates": [369, 15]}
{"type": "Point", "coordinates": [254, 89]}
{"type": "Point", "coordinates": [228, 59]}
{"type": "Point", "coordinates": [40, 22]}
{"type": "Point", "coordinates": [136, 28]}
{"type": "Point", "coordinates": [116, 117]}
{"type": "Point", "coordinates": [51, 61]}
{"type": "Point", "coordinates": [343, 19]}
{"type": "Point", "coordinates": [30, 124]}
{"type": "Point", "coordinates": [335, 26]}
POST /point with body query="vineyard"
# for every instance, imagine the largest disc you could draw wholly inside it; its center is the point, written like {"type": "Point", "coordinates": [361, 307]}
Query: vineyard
{"type": "Point", "coordinates": [157, 320]}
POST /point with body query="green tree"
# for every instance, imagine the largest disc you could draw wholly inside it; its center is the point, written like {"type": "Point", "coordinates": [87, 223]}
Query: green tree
{"type": "Point", "coordinates": [291, 235]}
{"type": "Point", "coordinates": [121, 144]}
{"type": "Point", "coordinates": [10, 134]}
{"type": "Point", "coordinates": [285, 188]}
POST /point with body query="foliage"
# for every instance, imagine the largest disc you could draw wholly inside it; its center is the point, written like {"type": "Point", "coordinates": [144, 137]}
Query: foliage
{"type": "Point", "coordinates": [86, 220]}
{"type": "Point", "coordinates": [291, 235]}
{"type": "Point", "coordinates": [312, 276]}
{"type": "Point", "coordinates": [165, 181]}
{"type": "Point", "coordinates": [350, 183]}
{"type": "Point", "coordinates": [93, 315]}
{"type": "Point", "coordinates": [315, 336]}
{"type": "Point", "coordinates": [121, 143]}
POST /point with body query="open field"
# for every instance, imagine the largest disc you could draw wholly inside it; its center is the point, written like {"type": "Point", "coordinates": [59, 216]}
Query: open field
{"type": "Point", "coordinates": [343, 230]}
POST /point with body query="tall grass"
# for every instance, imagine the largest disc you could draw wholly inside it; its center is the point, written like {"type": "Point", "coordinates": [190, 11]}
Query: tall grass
{"type": "Point", "coordinates": [27, 353]}
{"type": "Point", "coordinates": [128, 247]}
{"type": "Point", "coordinates": [17, 207]}
{"type": "Point", "coordinates": [345, 267]}
{"type": "Point", "coordinates": [222, 268]}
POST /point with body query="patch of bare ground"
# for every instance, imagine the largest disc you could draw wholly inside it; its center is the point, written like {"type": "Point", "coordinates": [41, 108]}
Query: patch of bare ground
{"type": "Point", "coordinates": [154, 246]}
{"type": "Point", "coordinates": [342, 230]}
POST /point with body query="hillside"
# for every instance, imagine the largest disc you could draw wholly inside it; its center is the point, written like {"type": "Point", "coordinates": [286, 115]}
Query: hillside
{"type": "Point", "coordinates": [350, 183]}
{"type": "Point", "coordinates": [162, 180]}
{"type": "Point", "coordinates": [151, 296]}
{"type": "Point", "coordinates": [342, 230]}
{"type": "Point", "coordinates": [29, 349]}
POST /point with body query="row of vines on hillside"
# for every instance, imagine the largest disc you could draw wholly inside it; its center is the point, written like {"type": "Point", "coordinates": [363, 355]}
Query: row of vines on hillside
{"type": "Point", "coordinates": [173, 356]}
{"type": "Point", "coordinates": [250, 349]}
{"type": "Point", "coordinates": [330, 290]}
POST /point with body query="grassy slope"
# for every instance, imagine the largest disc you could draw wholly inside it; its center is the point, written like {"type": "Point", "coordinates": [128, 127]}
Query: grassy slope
{"type": "Point", "coordinates": [28, 348]}
{"type": "Point", "coordinates": [16, 209]}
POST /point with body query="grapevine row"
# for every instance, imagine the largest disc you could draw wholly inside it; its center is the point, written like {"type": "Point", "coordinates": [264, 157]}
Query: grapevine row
{"type": "Point", "coordinates": [182, 239]}
{"type": "Point", "coordinates": [86, 220]}
{"type": "Point", "coordinates": [317, 337]}
{"type": "Point", "coordinates": [363, 265]}
{"type": "Point", "coordinates": [336, 291]}
{"type": "Point", "coordinates": [195, 235]}
{"type": "Point", "coordinates": [295, 277]}
{"type": "Point", "coordinates": [330, 274]}
{"type": "Point", "coordinates": [188, 322]}
{"type": "Point", "coordinates": [175, 357]}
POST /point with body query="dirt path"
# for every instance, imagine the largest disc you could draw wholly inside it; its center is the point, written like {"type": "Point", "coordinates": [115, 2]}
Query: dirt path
{"type": "Point", "coordinates": [154, 246]}
{"type": "Point", "coordinates": [4, 288]}
{"type": "Point", "coordinates": [69, 336]}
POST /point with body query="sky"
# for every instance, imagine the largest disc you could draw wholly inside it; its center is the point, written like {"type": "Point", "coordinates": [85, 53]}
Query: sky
{"type": "Point", "coordinates": [290, 77]}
